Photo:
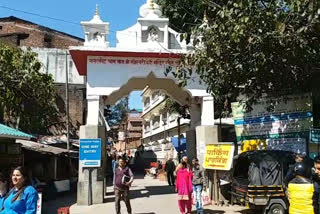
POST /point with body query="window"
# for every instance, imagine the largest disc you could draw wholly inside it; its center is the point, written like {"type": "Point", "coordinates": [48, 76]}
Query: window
{"type": "Point", "coordinates": [172, 117]}
{"type": "Point", "coordinates": [156, 122]}
{"type": "Point", "coordinates": [164, 118]}
{"type": "Point", "coordinates": [155, 96]}
{"type": "Point", "coordinates": [147, 103]}
{"type": "Point", "coordinates": [147, 127]}
{"type": "Point", "coordinates": [47, 41]}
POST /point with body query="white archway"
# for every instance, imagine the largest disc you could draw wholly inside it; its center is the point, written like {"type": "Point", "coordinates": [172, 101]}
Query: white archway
{"type": "Point", "coordinates": [141, 58]}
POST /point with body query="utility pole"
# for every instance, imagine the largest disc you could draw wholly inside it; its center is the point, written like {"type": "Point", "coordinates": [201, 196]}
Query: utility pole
{"type": "Point", "coordinates": [67, 104]}
{"type": "Point", "coordinates": [126, 125]}
{"type": "Point", "coordinates": [179, 140]}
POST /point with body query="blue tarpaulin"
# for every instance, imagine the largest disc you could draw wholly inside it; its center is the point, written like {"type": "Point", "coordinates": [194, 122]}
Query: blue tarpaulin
{"type": "Point", "coordinates": [183, 143]}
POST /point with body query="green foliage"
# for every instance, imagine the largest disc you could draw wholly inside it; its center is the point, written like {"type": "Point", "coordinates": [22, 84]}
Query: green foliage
{"type": "Point", "coordinates": [251, 49]}
{"type": "Point", "coordinates": [172, 106]}
{"type": "Point", "coordinates": [184, 14]}
{"type": "Point", "coordinates": [117, 113]}
{"type": "Point", "coordinates": [27, 97]}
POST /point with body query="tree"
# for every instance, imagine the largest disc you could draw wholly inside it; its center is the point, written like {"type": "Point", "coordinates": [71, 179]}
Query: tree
{"type": "Point", "coordinates": [117, 113]}
{"type": "Point", "coordinates": [27, 97]}
{"type": "Point", "coordinates": [250, 49]}
{"type": "Point", "coordinates": [172, 106]}
{"type": "Point", "coordinates": [115, 116]}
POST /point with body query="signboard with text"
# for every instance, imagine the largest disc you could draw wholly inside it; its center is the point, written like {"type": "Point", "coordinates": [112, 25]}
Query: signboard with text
{"type": "Point", "coordinates": [90, 152]}
{"type": "Point", "coordinates": [218, 156]}
{"type": "Point", "coordinates": [315, 135]}
{"type": "Point", "coordinates": [290, 118]}
{"type": "Point", "coordinates": [39, 203]}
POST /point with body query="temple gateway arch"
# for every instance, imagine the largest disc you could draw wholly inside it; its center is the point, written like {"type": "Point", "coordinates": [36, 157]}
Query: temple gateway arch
{"type": "Point", "coordinates": [142, 54]}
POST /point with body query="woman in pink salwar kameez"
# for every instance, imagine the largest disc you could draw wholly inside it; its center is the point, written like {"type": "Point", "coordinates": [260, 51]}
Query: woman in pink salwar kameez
{"type": "Point", "coordinates": [184, 188]}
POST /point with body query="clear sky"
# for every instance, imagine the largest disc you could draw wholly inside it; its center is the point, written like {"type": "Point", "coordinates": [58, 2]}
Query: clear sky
{"type": "Point", "coordinates": [121, 14]}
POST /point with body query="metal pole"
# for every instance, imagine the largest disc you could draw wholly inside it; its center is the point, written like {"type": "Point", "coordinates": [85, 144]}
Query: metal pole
{"type": "Point", "coordinates": [179, 140]}
{"type": "Point", "coordinates": [90, 187]}
{"type": "Point", "coordinates": [67, 103]}
{"type": "Point", "coordinates": [126, 125]}
{"type": "Point", "coordinates": [216, 187]}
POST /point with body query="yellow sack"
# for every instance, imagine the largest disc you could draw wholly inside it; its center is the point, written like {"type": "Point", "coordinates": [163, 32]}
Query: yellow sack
{"type": "Point", "coordinates": [300, 198]}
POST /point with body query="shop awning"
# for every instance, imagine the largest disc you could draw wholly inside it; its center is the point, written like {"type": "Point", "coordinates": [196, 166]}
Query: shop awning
{"type": "Point", "coordinates": [46, 149]}
{"type": "Point", "coordinates": [8, 132]}
{"type": "Point", "coordinates": [183, 143]}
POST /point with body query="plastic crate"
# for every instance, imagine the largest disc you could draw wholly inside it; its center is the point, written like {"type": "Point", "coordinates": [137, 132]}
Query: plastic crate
{"type": "Point", "coordinates": [63, 210]}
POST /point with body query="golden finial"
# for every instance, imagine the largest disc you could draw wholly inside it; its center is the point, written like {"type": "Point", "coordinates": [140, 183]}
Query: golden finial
{"type": "Point", "coordinates": [97, 11]}
{"type": "Point", "coordinates": [152, 4]}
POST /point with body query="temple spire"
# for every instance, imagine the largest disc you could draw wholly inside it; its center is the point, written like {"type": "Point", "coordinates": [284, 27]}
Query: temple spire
{"type": "Point", "coordinates": [152, 4]}
{"type": "Point", "coordinates": [97, 11]}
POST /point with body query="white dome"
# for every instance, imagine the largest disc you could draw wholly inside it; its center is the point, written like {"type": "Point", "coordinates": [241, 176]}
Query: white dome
{"type": "Point", "coordinates": [150, 10]}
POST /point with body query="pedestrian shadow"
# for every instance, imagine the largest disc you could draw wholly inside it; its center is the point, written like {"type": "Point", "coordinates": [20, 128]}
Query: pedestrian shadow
{"type": "Point", "coordinates": [65, 199]}
{"type": "Point", "coordinates": [248, 211]}
{"type": "Point", "coordinates": [207, 211]}
{"type": "Point", "coordinates": [144, 213]}
{"type": "Point", "coordinates": [152, 191]}
{"type": "Point", "coordinates": [109, 200]}
{"type": "Point", "coordinates": [144, 193]}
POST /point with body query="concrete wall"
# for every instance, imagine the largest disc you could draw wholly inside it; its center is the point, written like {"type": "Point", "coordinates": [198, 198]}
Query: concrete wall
{"type": "Point", "coordinates": [54, 63]}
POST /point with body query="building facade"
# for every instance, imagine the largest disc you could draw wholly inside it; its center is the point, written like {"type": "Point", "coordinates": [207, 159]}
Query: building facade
{"type": "Point", "coordinates": [52, 49]}
{"type": "Point", "coordinates": [21, 32]}
{"type": "Point", "coordinates": [160, 128]}
{"type": "Point", "coordinates": [130, 132]}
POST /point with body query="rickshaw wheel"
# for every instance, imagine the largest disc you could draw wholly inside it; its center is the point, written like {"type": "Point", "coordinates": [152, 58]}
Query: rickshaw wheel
{"type": "Point", "coordinates": [276, 209]}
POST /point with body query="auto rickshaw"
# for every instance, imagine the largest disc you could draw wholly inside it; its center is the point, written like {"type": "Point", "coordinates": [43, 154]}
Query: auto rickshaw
{"type": "Point", "coordinates": [258, 180]}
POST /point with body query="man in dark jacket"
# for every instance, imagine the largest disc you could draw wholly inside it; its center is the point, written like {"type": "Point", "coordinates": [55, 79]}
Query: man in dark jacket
{"type": "Point", "coordinates": [169, 168]}
{"type": "Point", "coordinates": [291, 174]}
{"type": "Point", "coordinates": [199, 183]}
{"type": "Point", "coordinates": [122, 182]}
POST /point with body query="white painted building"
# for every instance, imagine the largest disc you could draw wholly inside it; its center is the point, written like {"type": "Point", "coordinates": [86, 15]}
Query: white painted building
{"type": "Point", "coordinates": [54, 62]}
{"type": "Point", "coordinates": [160, 128]}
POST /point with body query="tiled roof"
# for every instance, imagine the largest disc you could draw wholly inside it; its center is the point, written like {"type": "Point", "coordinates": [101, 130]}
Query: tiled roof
{"type": "Point", "coordinates": [8, 132]}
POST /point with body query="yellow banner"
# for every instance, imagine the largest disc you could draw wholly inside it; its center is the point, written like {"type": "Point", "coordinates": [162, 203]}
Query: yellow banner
{"type": "Point", "coordinates": [218, 156]}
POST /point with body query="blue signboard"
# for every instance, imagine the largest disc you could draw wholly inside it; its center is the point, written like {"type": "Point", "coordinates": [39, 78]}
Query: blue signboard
{"type": "Point", "coordinates": [315, 135]}
{"type": "Point", "coordinates": [90, 152]}
{"type": "Point", "coordinates": [183, 143]}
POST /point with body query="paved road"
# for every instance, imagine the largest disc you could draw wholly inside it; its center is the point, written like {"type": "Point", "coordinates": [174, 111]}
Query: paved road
{"type": "Point", "coordinates": [149, 196]}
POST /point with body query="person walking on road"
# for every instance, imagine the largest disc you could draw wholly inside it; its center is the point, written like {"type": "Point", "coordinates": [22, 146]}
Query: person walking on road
{"type": "Point", "coordinates": [22, 198]}
{"type": "Point", "coordinates": [122, 182]}
{"type": "Point", "coordinates": [169, 168]}
{"type": "Point", "coordinates": [184, 188]}
{"type": "Point", "coordinates": [199, 183]}
{"type": "Point", "coordinates": [183, 159]}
